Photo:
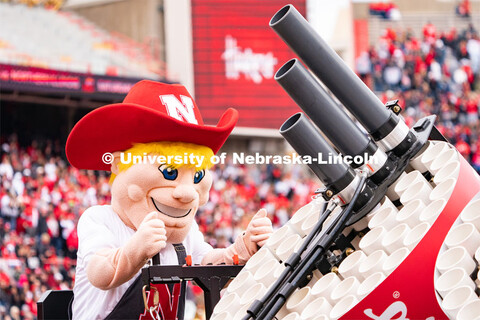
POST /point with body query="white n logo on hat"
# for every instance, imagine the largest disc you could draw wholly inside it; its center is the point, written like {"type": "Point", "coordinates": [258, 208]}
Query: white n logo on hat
{"type": "Point", "coordinates": [182, 111]}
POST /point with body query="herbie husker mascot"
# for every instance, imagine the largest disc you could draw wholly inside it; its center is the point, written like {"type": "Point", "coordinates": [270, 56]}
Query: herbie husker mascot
{"type": "Point", "coordinates": [153, 204]}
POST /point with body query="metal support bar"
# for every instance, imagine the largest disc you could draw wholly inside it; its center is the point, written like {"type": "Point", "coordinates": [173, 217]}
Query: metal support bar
{"type": "Point", "coordinates": [211, 279]}
{"type": "Point", "coordinates": [54, 304]}
{"type": "Point", "coordinates": [211, 290]}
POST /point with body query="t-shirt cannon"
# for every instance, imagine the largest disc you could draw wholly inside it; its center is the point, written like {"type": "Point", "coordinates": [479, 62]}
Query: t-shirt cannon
{"type": "Point", "coordinates": [394, 233]}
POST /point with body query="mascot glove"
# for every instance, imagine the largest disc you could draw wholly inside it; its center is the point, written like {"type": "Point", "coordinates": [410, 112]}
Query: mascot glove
{"type": "Point", "coordinates": [110, 268]}
{"type": "Point", "coordinates": [149, 239]}
{"type": "Point", "coordinates": [258, 231]}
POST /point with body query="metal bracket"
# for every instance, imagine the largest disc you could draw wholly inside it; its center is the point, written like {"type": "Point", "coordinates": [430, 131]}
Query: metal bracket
{"type": "Point", "coordinates": [325, 193]}
{"type": "Point", "coordinates": [394, 106]}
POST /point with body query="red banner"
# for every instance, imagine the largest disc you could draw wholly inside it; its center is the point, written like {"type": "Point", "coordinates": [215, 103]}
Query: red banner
{"type": "Point", "coordinates": [360, 28]}
{"type": "Point", "coordinates": [236, 55]}
{"type": "Point", "coordinates": [41, 80]}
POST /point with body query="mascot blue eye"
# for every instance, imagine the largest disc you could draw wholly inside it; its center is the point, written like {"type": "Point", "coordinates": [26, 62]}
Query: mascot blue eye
{"type": "Point", "coordinates": [169, 173]}
{"type": "Point", "coordinates": [198, 176]}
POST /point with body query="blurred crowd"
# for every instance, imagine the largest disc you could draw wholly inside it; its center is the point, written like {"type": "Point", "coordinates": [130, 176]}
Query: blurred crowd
{"type": "Point", "coordinates": [42, 196]}
{"type": "Point", "coordinates": [437, 73]}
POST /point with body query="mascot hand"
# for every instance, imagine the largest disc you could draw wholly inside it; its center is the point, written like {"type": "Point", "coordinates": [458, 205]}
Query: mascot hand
{"type": "Point", "coordinates": [258, 231]}
{"type": "Point", "coordinates": [150, 237]}
{"type": "Point", "coordinates": [110, 268]}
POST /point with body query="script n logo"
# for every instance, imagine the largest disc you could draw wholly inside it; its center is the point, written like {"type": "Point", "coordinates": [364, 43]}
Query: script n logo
{"type": "Point", "coordinates": [397, 311]}
{"type": "Point", "coordinates": [167, 308]}
{"type": "Point", "coordinates": [180, 110]}
{"type": "Point", "coordinates": [394, 309]}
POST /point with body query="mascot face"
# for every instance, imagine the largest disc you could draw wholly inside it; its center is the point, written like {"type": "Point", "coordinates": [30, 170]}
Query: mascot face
{"type": "Point", "coordinates": [176, 193]}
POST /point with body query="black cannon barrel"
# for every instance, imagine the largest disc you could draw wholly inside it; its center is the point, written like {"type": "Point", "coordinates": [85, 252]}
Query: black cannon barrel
{"type": "Point", "coordinates": [292, 27]}
{"type": "Point", "coordinates": [307, 92]}
{"type": "Point", "coordinates": [302, 135]}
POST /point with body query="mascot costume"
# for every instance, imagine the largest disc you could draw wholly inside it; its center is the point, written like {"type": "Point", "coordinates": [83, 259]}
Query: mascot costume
{"type": "Point", "coordinates": [153, 202]}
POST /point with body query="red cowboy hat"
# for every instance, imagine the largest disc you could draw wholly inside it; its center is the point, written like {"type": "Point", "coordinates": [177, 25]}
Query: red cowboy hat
{"type": "Point", "coordinates": [151, 112]}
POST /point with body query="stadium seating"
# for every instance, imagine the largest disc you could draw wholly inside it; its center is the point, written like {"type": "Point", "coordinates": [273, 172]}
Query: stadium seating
{"type": "Point", "coordinates": [65, 41]}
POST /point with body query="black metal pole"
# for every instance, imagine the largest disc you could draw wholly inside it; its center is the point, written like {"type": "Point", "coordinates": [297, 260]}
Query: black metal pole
{"type": "Point", "coordinates": [325, 63]}
{"type": "Point", "coordinates": [307, 92]}
{"type": "Point", "coordinates": [302, 135]}
{"type": "Point", "coordinates": [156, 259]}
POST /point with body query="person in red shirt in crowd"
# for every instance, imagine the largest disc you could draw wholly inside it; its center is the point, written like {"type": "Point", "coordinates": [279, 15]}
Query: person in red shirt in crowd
{"type": "Point", "coordinates": [463, 148]}
{"type": "Point", "coordinates": [430, 57]}
{"type": "Point", "coordinates": [471, 107]}
{"type": "Point", "coordinates": [429, 32]}
{"type": "Point", "coordinates": [463, 9]}
{"type": "Point", "coordinates": [476, 156]}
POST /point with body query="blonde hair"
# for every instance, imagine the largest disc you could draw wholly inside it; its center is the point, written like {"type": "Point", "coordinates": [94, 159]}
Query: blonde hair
{"type": "Point", "coordinates": [168, 149]}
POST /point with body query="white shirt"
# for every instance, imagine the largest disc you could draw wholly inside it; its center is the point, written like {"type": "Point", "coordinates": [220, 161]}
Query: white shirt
{"type": "Point", "coordinates": [6, 170]}
{"type": "Point", "coordinates": [100, 227]}
{"type": "Point", "coordinates": [473, 48]}
{"type": "Point", "coordinates": [51, 171]}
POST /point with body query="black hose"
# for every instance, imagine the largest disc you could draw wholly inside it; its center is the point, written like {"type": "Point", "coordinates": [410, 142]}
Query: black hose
{"type": "Point", "coordinates": [343, 218]}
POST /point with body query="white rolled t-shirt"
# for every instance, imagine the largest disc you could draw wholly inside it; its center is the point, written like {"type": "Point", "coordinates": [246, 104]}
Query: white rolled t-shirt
{"type": "Point", "coordinates": [100, 227]}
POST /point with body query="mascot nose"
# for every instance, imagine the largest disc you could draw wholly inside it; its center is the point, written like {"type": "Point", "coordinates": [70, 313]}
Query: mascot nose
{"type": "Point", "coordinates": [185, 194]}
